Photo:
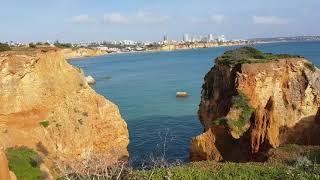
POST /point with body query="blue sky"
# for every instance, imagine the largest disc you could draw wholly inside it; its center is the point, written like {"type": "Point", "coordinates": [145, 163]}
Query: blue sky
{"type": "Point", "coordinates": [76, 20]}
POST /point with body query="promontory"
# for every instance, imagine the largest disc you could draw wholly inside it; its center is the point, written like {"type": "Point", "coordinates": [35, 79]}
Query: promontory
{"type": "Point", "coordinates": [253, 101]}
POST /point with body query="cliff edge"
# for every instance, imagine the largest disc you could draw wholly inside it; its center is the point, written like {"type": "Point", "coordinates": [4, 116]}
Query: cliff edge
{"type": "Point", "coordinates": [47, 105]}
{"type": "Point", "coordinates": [253, 101]}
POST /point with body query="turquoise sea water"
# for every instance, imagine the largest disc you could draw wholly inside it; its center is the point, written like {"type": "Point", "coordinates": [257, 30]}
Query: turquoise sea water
{"type": "Point", "coordinates": [144, 85]}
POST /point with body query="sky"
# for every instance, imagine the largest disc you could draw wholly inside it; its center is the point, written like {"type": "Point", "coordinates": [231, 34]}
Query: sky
{"type": "Point", "coordinates": [149, 20]}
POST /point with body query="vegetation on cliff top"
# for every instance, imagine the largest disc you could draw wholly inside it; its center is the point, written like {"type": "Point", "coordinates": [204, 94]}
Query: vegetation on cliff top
{"type": "Point", "coordinates": [249, 55]}
{"type": "Point", "coordinates": [62, 45]}
{"type": "Point", "coordinates": [24, 162]}
{"type": "Point", "coordinates": [4, 47]}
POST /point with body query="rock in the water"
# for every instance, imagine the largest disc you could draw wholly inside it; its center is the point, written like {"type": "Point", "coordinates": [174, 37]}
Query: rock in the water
{"type": "Point", "coordinates": [261, 100]}
{"type": "Point", "coordinates": [47, 105]}
{"type": "Point", "coordinates": [182, 94]}
{"type": "Point", "coordinates": [90, 80]}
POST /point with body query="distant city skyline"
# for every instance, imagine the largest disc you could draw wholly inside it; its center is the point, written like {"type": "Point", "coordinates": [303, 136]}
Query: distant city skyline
{"type": "Point", "coordinates": [81, 20]}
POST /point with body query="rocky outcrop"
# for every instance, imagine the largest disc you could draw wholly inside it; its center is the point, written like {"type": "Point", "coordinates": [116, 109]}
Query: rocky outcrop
{"type": "Point", "coordinates": [90, 80]}
{"type": "Point", "coordinates": [252, 101]}
{"type": "Point", "coordinates": [82, 52]}
{"type": "Point", "coordinates": [203, 147]}
{"type": "Point", "coordinates": [46, 104]}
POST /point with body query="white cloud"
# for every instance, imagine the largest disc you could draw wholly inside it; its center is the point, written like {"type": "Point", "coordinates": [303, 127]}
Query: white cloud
{"type": "Point", "coordinates": [115, 18]}
{"type": "Point", "coordinates": [215, 18]}
{"type": "Point", "coordinates": [83, 18]}
{"type": "Point", "coordinates": [138, 18]}
{"type": "Point", "coordinates": [270, 20]}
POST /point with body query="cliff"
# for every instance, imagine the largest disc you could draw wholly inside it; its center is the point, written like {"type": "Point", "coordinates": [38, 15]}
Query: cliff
{"type": "Point", "coordinates": [47, 105]}
{"type": "Point", "coordinates": [82, 52]}
{"type": "Point", "coordinates": [253, 101]}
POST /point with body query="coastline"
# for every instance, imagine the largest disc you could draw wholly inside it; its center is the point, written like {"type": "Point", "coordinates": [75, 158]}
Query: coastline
{"type": "Point", "coordinates": [161, 50]}
{"type": "Point", "coordinates": [104, 53]}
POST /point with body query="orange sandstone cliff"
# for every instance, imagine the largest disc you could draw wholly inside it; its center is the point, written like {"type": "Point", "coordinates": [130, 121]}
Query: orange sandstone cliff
{"type": "Point", "coordinates": [253, 101]}
{"type": "Point", "coordinates": [47, 105]}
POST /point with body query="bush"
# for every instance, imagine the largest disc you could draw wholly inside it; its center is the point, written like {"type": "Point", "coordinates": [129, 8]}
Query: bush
{"type": "Point", "coordinates": [4, 47]}
{"type": "Point", "coordinates": [44, 123]}
{"type": "Point", "coordinates": [62, 45]}
{"type": "Point", "coordinates": [31, 45]}
{"type": "Point", "coordinates": [240, 102]}
{"type": "Point", "coordinates": [24, 162]}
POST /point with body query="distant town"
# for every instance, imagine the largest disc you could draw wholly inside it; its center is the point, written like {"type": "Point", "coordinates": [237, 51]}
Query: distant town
{"type": "Point", "coordinates": [187, 42]}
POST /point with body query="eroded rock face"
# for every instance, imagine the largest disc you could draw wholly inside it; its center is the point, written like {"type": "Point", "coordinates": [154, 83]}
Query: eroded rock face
{"type": "Point", "coordinates": [261, 105]}
{"type": "Point", "coordinates": [46, 104]}
{"type": "Point", "coordinates": [82, 52]}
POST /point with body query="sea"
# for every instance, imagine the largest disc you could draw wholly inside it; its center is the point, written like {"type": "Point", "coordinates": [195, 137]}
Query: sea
{"type": "Point", "coordinates": [144, 86]}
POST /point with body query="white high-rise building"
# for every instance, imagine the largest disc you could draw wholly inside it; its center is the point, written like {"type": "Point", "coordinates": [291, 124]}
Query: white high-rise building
{"type": "Point", "coordinates": [165, 38]}
{"type": "Point", "coordinates": [186, 38]}
{"type": "Point", "coordinates": [221, 38]}
{"type": "Point", "coordinates": [210, 37]}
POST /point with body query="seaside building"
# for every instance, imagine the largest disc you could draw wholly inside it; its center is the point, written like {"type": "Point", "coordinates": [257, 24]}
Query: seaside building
{"type": "Point", "coordinates": [210, 38]}
{"type": "Point", "coordinates": [221, 38]}
{"type": "Point", "coordinates": [186, 38]}
{"type": "Point", "coordinates": [165, 39]}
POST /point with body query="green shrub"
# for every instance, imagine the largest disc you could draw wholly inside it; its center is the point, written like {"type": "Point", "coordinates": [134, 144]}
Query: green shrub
{"type": "Point", "coordinates": [24, 162]}
{"type": "Point", "coordinates": [248, 55]}
{"type": "Point", "coordinates": [4, 47]}
{"type": "Point", "coordinates": [240, 102]}
{"type": "Point", "coordinates": [44, 123]}
{"type": "Point", "coordinates": [62, 45]}
{"type": "Point", "coordinates": [31, 45]}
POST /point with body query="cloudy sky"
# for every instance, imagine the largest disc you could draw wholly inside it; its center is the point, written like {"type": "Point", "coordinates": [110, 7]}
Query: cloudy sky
{"type": "Point", "coordinates": [76, 20]}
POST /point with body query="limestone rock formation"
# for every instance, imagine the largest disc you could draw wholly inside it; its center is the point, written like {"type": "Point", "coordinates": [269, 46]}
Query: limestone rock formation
{"type": "Point", "coordinates": [82, 52]}
{"type": "Point", "coordinates": [46, 104]}
{"type": "Point", "coordinates": [253, 101]}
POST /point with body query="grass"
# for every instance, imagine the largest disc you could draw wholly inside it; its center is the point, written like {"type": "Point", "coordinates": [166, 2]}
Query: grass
{"type": "Point", "coordinates": [249, 55]}
{"type": "Point", "coordinates": [226, 171]}
{"type": "Point", "coordinates": [44, 123]}
{"type": "Point", "coordinates": [241, 102]}
{"type": "Point", "coordinates": [24, 162]}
